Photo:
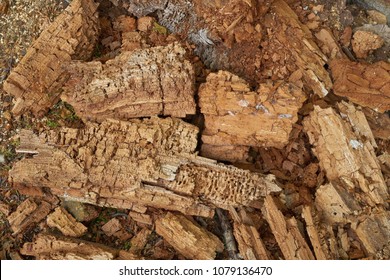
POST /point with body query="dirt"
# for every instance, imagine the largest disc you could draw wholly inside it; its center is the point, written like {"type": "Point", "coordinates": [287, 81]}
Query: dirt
{"type": "Point", "coordinates": [21, 22]}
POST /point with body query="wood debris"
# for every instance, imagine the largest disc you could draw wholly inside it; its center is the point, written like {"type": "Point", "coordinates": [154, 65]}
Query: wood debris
{"type": "Point", "coordinates": [139, 241]}
{"type": "Point", "coordinates": [364, 84]}
{"type": "Point", "coordinates": [148, 82]}
{"type": "Point", "coordinates": [364, 42]}
{"type": "Point", "coordinates": [189, 239]}
{"type": "Point", "coordinates": [64, 222]}
{"type": "Point", "coordinates": [36, 81]}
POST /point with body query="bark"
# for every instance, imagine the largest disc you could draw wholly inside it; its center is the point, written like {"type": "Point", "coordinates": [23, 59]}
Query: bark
{"type": "Point", "coordinates": [64, 222]}
{"type": "Point", "coordinates": [364, 84]}
{"type": "Point", "coordinates": [36, 81]}
{"type": "Point", "coordinates": [148, 82]}
{"type": "Point", "coordinates": [235, 115]}
{"type": "Point", "coordinates": [188, 238]}
{"type": "Point", "coordinates": [150, 162]}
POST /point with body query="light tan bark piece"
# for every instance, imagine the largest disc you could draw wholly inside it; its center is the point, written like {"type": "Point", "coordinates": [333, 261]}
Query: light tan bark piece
{"type": "Point", "coordinates": [235, 115]}
{"type": "Point", "coordinates": [64, 222]}
{"type": "Point", "coordinates": [112, 227]}
{"type": "Point", "coordinates": [286, 232]}
{"type": "Point", "coordinates": [51, 247]}
{"type": "Point", "coordinates": [230, 153]}
{"type": "Point", "coordinates": [364, 42]}
{"type": "Point", "coordinates": [28, 213]}
{"type": "Point", "coordinates": [189, 239]}
{"type": "Point", "coordinates": [139, 241]}
{"type": "Point", "coordinates": [364, 84]}
{"type": "Point", "coordinates": [346, 156]}
{"type": "Point", "coordinates": [148, 82]}
{"type": "Point", "coordinates": [37, 79]}
{"type": "Point", "coordinates": [141, 218]}
{"type": "Point", "coordinates": [149, 162]}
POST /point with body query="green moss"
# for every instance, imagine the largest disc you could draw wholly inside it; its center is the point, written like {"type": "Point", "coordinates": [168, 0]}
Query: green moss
{"type": "Point", "coordinates": [160, 29]}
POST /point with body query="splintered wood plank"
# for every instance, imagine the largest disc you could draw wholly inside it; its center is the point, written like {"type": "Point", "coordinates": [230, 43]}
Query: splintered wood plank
{"type": "Point", "coordinates": [29, 213]}
{"type": "Point", "coordinates": [150, 162]}
{"type": "Point", "coordinates": [320, 248]}
{"type": "Point", "coordinates": [52, 247]}
{"type": "Point", "coordinates": [148, 82]}
{"type": "Point", "coordinates": [235, 115]}
{"type": "Point", "coordinates": [286, 232]}
{"type": "Point", "coordinates": [346, 156]}
{"type": "Point", "coordinates": [37, 79]}
{"type": "Point", "coordinates": [64, 222]}
{"type": "Point", "coordinates": [189, 239]}
{"type": "Point", "coordinates": [364, 84]}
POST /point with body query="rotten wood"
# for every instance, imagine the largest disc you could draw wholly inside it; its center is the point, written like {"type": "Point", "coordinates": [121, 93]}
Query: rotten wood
{"type": "Point", "coordinates": [64, 222]}
{"type": "Point", "coordinates": [364, 84]}
{"type": "Point", "coordinates": [235, 115]}
{"type": "Point", "coordinates": [148, 82]}
{"type": "Point", "coordinates": [149, 162]}
{"type": "Point", "coordinates": [188, 238]}
{"type": "Point", "coordinates": [37, 79]}
{"type": "Point", "coordinates": [286, 232]}
{"type": "Point", "coordinates": [346, 156]}
{"type": "Point", "coordinates": [139, 241]}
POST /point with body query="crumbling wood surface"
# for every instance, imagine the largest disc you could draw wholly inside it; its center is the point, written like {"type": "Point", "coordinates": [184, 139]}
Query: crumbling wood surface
{"type": "Point", "coordinates": [148, 82]}
{"type": "Point", "coordinates": [235, 115]}
{"type": "Point", "coordinates": [37, 80]}
{"type": "Point", "coordinates": [286, 232]}
{"type": "Point", "coordinates": [28, 214]}
{"type": "Point", "coordinates": [364, 84]}
{"type": "Point", "coordinates": [52, 247]}
{"type": "Point", "coordinates": [150, 162]}
{"type": "Point", "coordinates": [64, 222]}
{"type": "Point", "coordinates": [188, 238]}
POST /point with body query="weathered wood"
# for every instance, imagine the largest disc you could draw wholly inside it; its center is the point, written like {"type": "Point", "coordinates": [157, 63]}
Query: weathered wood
{"type": "Point", "coordinates": [148, 82]}
{"type": "Point", "coordinates": [37, 79]}
{"type": "Point", "coordinates": [189, 239]}
{"type": "Point", "coordinates": [364, 84]}
{"type": "Point", "coordinates": [346, 156]}
{"type": "Point", "coordinates": [64, 222]}
{"type": "Point", "coordinates": [52, 247]}
{"type": "Point", "coordinates": [235, 115]}
{"type": "Point", "coordinates": [149, 162]}
{"type": "Point", "coordinates": [29, 213]}
{"type": "Point", "coordinates": [139, 241]}
{"type": "Point", "coordinates": [286, 232]}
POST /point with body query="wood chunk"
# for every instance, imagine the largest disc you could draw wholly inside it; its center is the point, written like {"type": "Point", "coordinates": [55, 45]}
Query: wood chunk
{"type": "Point", "coordinates": [37, 79]}
{"type": "Point", "coordinates": [141, 218]}
{"type": "Point", "coordinates": [320, 248]}
{"type": "Point", "coordinates": [330, 46]}
{"type": "Point", "coordinates": [139, 241]}
{"type": "Point", "coordinates": [4, 208]}
{"type": "Point", "coordinates": [249, 242]}
{"type": "Point", "coordinates": [230, 153]}
{"type": "Point", "coordinates": [29, 213]}
{"type": "Point", "coordinates": [235, 115]}
{"type": "Point", "coordinates": [148, 82]}
{"type": "Point", "coordinates": [150, 162]}
{"type": "Point", "coordinates": [124, 255]}
{"type": "Point", "coordinates": [286, 232]}
{"type": "Point", "coordinates": [51, 247]}
{"type": "Point", "coordinates": [364, 42]}
{"type": "Point", "coordinates": [379, 123]}
{"type": "Point", "coordinates": [189, 239]}
{"type": "Point", "coordinates": [65, 223]}
{"type": "Point", "coordinates": [364, 84]}
{"type": "Point", "coordinates": [346, 156]}
{"type": "Point", "coordinates": [374, 233]}
{"type": "Point", "coordinates": [111, 227]}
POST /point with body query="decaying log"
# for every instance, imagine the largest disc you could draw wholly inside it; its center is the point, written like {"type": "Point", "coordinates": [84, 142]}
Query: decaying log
{"type": "Point", "coordinates": [64, 222]}
{"type": "Point", "coordinates": [230, 36]}
{"type": "Point", "coordinates": [149, 162]}
{"type": "Point", "coordinates": [148, 82]}
{"type": "Point", "coordinates": [364, 84]}
{"type": "Point", "coordinates": [52, 247]}
{"type": "Point", "coordinates": [37, 79]}
{"type": "Point", "coordinates": [235, 115]}
{"type": "Point", "coordinates": [29, 213]}
{"type": "Point", "coordinates": [189, 239]}
{"type": "Point", "coordinates": [249, 242]}
{"type": "Point", "coordinates": [346, 156]}
{"type": "Point", "coordinates": [286, 232]}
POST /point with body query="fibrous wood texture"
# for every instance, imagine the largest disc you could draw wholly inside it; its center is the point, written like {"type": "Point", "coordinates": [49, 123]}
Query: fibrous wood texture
{"type": "Point", "coordinates": [189, 239]}
{"type": "Point", "coordinates": [150, 162]}
{"type": "Point", "coordinates": [345, 155]}
{"type": "Point", "coordinates": [235, 115]}
{"type": "Point", "coordinates": [364, 84]}
{"type": "Point", "coordinates": [147, 82]}
{"type": "Point", "coordinates": [64, 222]}
{"type": "Point", "coordinates": [37, 79]}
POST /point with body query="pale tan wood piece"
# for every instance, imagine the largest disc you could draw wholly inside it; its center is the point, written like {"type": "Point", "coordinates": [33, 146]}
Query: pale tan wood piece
{"type": "Point", "coordinates": [64, 222]}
